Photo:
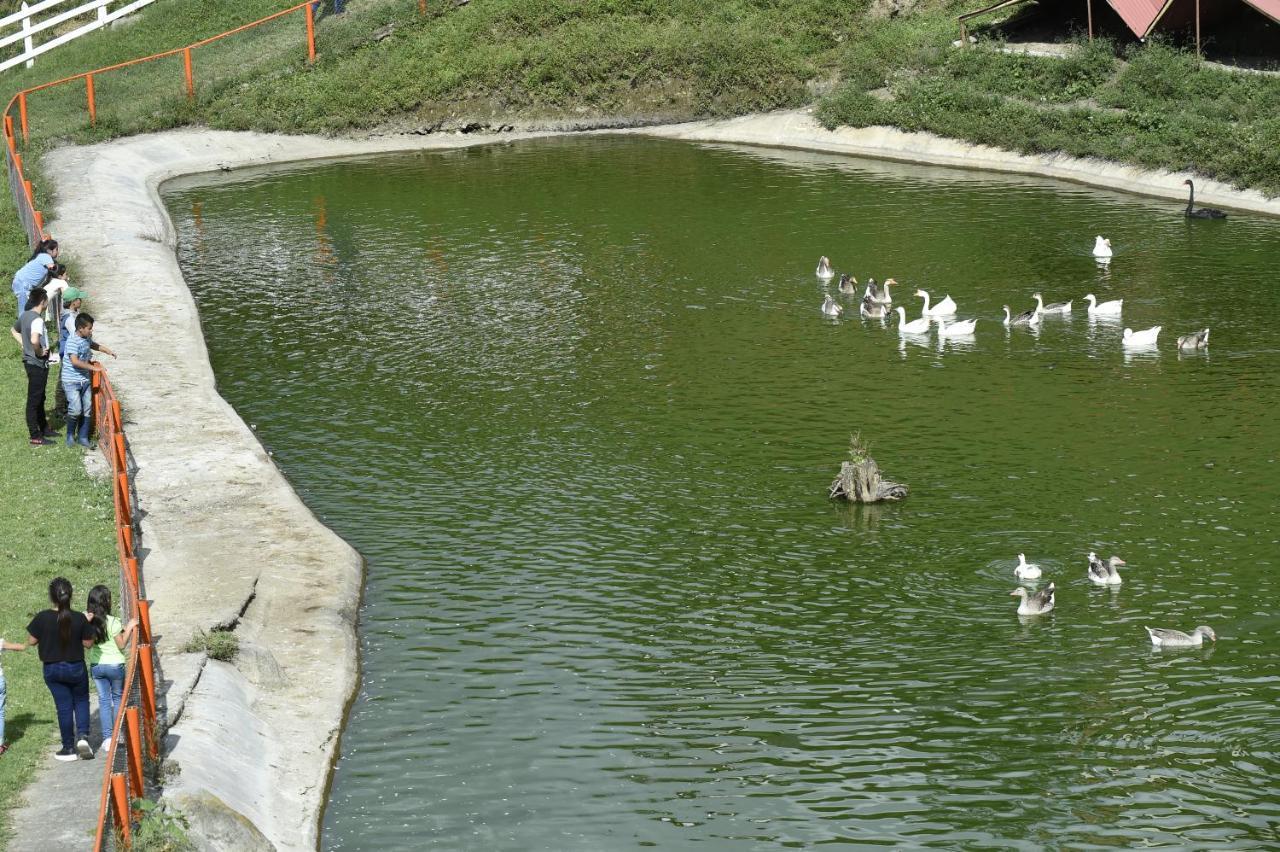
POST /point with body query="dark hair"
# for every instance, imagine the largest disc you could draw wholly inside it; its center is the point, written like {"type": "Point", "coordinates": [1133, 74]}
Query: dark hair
{"type": "Point", "coordinates": [100, 606]}
{"type": "Point", "coordinates": [83, 320]}
{"type": "Point", "coordinates": [42, 247]}
{"type": "Point", "coordinates": [36, 298]}
{"type": "Point", "coordinates": [59, 270]}
{"type": "Point", "coordinates": [60, 597]}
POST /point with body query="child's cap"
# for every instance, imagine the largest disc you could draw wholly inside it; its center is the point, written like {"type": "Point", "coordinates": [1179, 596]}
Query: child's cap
{"type": "Point", "coordinates": [71, 294]}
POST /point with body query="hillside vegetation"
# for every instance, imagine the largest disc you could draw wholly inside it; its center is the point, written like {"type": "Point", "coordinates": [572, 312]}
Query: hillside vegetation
{"type": "Point", "coordinates": [382, 66]}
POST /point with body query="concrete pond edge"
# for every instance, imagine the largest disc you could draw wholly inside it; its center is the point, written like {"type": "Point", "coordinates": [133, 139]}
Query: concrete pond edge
{"type": "Point", "coordinates": [225, 540]}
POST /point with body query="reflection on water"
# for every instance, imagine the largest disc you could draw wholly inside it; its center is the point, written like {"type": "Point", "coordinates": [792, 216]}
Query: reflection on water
{"type": "Point", "coordinates": [574, 403]}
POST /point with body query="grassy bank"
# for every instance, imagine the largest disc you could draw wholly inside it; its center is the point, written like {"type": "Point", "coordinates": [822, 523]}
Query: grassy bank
{"type": "Point", "coordinates": [1149, 105]}
{"type": "Point", "coordinates": [54, 520]}
{"type": "Point", "coordinates": [383, 66]}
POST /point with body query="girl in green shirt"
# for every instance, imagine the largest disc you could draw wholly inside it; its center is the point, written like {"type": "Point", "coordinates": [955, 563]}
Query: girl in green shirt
{"type": "Point", "coordinates": [106, 657]}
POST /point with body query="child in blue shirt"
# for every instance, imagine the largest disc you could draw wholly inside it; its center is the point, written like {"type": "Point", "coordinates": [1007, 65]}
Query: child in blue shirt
{"type": "Point", "coordinates": [77, 369]}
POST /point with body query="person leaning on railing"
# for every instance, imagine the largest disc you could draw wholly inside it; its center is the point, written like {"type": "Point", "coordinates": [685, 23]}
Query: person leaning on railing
{"type": "Point", "coordinates": [35, 271]}
{"type": "Point", "coordinates": [29, 331]}
{"type": "Point", "coordinates": [77, 372]}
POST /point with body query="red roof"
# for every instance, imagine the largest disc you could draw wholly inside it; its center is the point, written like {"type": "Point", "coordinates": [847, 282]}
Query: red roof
{"type": "Point", "coordinates": [1141, 16]}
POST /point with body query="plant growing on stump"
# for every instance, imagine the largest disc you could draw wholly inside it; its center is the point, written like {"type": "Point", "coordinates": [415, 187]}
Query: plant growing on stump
{"type": "Point", "coordinates": [859, 480]}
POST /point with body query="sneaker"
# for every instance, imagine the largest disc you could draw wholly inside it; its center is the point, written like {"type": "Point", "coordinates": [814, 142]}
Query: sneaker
{"type": "Point", "coordinates": [40, 442]}
{"type": "Point", "coordinates": [51, 433]}
{"type": "Point", "coordinates": [106, 745]}
{"type": "Point", "coordinates": [83, 749]}
{"type": "Point", "coordinates": [66, 754]}
{"type": "Point", "coordinates": [4, 747]}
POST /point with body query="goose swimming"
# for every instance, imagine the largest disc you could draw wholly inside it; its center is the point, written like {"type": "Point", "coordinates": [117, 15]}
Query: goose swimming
{"type": "Point", "coordinates": [1031, 317]}
{"type": "Point", "coordinates": [1034, 603]}
{"type": "Point", "coordinates": [1104, 309]}
{"type": "Point", "coordinates": [1146, 337]}
{"type": "Point", "coordinates": [1101, 247]}
{"type": "Point", "coordinates": [916, 326]}
{"type": "Point", "coordinates": [871, 310]}
{"type": "Point", "coordinates": [848, 284]}
{"type": "Point", "coordinates": [956, 329]}
{"type": "Point", "coordinates": [1055, 308]}
{"type": "Point", "coordinates": [830, 308]}
{"type": "Point", "coordinates": [1162, 637]}
{"type": "Point", "coordinates": [825, 271]}
{"type": "Point", "coordinates": [1026, 570]}
{"type": "Point", "coordinates": [947, 307]}
{"type": "Point", "coordinates": [1104, 573]}
{"type": "Point", "coordinates": [880, 295]}
{"type": "Point", "coordinates": [1195, 340]}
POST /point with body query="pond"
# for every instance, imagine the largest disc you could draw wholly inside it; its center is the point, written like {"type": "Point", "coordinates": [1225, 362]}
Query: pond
{"type": "Point", "coordinates": [575, 403]}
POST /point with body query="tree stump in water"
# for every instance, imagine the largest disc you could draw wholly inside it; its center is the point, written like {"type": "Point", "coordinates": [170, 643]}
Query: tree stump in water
{"type": "Point", "coordinates": [860, 482]}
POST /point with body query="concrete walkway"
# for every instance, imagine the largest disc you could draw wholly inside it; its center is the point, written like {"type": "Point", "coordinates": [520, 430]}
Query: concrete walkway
{"type": "Point", "coordinates": [60, 808]}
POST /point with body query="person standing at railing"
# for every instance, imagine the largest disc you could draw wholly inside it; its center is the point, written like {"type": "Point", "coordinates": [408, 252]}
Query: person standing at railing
{"type": "Point", "coordinates": [63, 635]}
{"type": "Point", "coordinates": [72, 300]}
{"type": "Point", "coordinates": [35, 271]}
{"type": "Point", "coordinates": [77, 373]}
{"type": "Point", "coordinates": [106, 657]}
{"type": "Point", "coordinates": [5, 646]}
{"type": "Point", "coordinates": [30, 333]}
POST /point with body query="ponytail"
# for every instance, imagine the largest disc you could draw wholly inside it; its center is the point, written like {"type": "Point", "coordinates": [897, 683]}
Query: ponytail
{"type": "Point", "coordinates": [60, 597]}
{"type": "Point", "coordinates": [100, 606]}
{"type": "Point", "coordinates": [42, 247]}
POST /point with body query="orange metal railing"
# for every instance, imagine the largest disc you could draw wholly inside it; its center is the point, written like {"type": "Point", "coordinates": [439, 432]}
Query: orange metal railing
{"type": "Point", "coordinates": [135, 737]}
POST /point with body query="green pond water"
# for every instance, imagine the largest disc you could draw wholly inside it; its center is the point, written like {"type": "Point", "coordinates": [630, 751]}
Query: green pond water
{"type": "Point", "coordinates": [575, 403]}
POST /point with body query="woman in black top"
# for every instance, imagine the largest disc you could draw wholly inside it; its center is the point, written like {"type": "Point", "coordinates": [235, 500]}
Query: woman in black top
{"type": "Point", "coordinates": [62, 635]}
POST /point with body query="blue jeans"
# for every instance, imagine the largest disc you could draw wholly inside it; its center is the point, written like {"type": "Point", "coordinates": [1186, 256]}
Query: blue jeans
{"type": "Point", "coordinates": [109, 679]}
{"type": "Point", "coordinates": [3, 695]}
{"type": "Point", "coordinates": [69, 685]}
{"type": "Point", "coordinates": [79, 398]}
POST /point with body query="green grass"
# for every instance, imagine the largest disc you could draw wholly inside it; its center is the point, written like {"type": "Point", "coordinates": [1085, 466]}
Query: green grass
{"type": "Point", "coordinates": [54, 520]}
{"type": "Point", "coordinates": [1152, 105]}
{"type": "Point", "coordinates": [218, 644]}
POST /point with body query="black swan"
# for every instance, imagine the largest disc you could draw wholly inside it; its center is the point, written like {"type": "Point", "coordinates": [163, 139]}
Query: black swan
{"type": "Point", "coordinates": [1202, 212]}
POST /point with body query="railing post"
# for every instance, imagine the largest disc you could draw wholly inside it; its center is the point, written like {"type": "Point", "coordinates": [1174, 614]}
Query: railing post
{"type": "Point", "coordinates": [93, 106]}
{"type": "Point", "coordinates": [133, 746]}
{"type": "Point", "coordinates": [102, 9]}
{"type": "Point", "coordinates": [186, 68]}
{"type": "Point", "coordinates": [422, 7]}
{"type": "Point", "coordinates": [144, 621]}
{"type": "Point", "coordinates": [26, 41]}
{"type": "Point", "coordinates": [120, 806]}
{"type": "Point", "coordinates": [311, 33]}
{"type": "Point", "coordinates": [145, 667]}
{"type": "Point", "coordinates": [22, 114]}
{"type": "Point", "coordinates": [120, 457]}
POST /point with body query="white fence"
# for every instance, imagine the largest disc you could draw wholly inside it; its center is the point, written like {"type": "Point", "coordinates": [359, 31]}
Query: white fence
{"type": "Point", "coordinates": [26, 23]}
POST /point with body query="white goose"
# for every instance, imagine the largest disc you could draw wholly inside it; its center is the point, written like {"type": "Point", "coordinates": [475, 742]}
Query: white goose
{"type": "Point", "coordinates": [830, 308]}
{"type": "Point", "coordinates": [1195, 340]}
{"type": "Point", "coordinates": [1101, 247]}
{"type": "Point", "coordinates": [1055, 308]}
{"type": "Point", "coordinates": [916, 326]}
{"type": "Point", "coordinates": [1026, 570]}
{"type": "Point", "coordinates": [1104, 573]}
{"type": "Point", "coordinates": [1146, 337]}
{"type": "Point", "coordinates": [1031, 317]}
{"type": "Point", "coordinates": [848, 284]}
{"type": "Point", "coordinates": [1162, 637]}
{"type": "Point", "coordinates": [1104, 309]}
{"type": "Point", "coordinates": [1034, 603]}
{"type": "Point", "coordinates": [964, 328]}
{"type": "Point", "coordinates": [945, 308]}
{"type": "Point", "coordinates": [824, 271]}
